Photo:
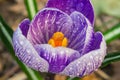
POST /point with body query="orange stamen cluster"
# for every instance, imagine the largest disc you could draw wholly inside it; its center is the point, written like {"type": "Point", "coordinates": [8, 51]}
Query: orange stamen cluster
{"type": "Point", "coordinates": [58, 39]}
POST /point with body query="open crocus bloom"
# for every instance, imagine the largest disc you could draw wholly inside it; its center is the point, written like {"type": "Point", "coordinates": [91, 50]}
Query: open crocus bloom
{"type": "Point", "coordinates": [60, 39]}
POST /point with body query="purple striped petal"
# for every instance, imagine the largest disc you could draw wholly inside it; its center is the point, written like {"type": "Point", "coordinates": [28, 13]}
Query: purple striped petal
{"type": "Point", "coordinates": [46, 23]}
{"type": "Point", "coordinates": [58, 58]}
{"type": "Point", "coordinates": [88, 62]}
{"type": "Point", "coordinates": [94, 43]}
{"type": "Point", "coordinates": [24, 26]}
{"type": "Point", "coordinates": [82, 33]}
{"type": "Point", "coordinates": [26, 52]}
{"type": "Point", "coordinates": [68, 6]}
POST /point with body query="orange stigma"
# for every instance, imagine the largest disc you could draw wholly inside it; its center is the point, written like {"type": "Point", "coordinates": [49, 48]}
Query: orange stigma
{"type": "Point", "coordinates": [58, 39]}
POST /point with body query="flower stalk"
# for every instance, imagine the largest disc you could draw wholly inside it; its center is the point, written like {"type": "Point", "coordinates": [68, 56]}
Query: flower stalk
{"type": "Point", "coordinates": [31, 7]}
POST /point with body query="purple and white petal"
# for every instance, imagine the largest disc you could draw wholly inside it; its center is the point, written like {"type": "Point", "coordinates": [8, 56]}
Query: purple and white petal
{"type": "Point", "coordinates": [93, 44]}
{"type": "Point", "coordinates": [24, 26]}
{"type": "Point", "coordinates": [58, 58]}
{"type": "Point", "coordinates": [88, 62]}
{"type": "Point", "coordinates": [46, 23]}
{"type": "Point", "coordinates": [69, 6]}
{"type": "Point", "coordinates": [82, 32]}
{"type": "Point", "coordinates": [27, 54]}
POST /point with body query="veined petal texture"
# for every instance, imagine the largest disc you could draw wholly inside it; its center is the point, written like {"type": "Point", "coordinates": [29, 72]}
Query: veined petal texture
{"type": "Point", "coordinates": [26, 52]}
{"type": "Point", "coordinates": [69, 6]}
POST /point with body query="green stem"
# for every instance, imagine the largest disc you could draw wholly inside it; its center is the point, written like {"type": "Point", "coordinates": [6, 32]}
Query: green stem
{"type": "Point", "coordinates": [76, 78]}
{"type": "Point", "coordinates": [112, 34]}
{"type": "Point", "coordinates": [31, 7]}
{"type": "Point", "coordinates": [112, 57]}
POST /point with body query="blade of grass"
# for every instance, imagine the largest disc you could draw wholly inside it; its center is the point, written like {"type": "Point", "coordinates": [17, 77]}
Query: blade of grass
{"type": "Point", "coordinates": [31, 7]}
{"type": "Point", "coordinates": [112, 34]}
{"type": "Point", "coordinates": [6, 37]}
{"type": "Point", "coordinates": [10, 31]}
{"type": "Point", "coordinates": [112, 57]}
{"type": "Point", "coordinates": [76, 78]}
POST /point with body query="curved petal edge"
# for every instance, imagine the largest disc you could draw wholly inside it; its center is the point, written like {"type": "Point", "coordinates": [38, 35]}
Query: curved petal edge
{"type": "Point", "coordinates": [88, 62]}
{"type": "Point", "coordinates": [46, 23]}
{"type": "Point", "coordinates": [58, 58]}
{"type": "Point", "coordinates": [83, 6]}
{"type": "Point", "coordinates": [27, 54]}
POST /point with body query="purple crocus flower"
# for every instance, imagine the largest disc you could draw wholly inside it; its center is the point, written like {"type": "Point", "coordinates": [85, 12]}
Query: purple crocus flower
{"type": "Point", "coordinates": [60, 39]}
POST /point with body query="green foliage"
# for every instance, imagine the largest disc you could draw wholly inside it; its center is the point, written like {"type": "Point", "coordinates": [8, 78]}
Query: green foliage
{"type": "Point", "coordinates": [31, 7]}
{"type": "Point", "coordinates": [76, 78]}
{"type": "Point", "coordinates": [112, 57]}
{"type": "Point", "coordinates": [112, 34]}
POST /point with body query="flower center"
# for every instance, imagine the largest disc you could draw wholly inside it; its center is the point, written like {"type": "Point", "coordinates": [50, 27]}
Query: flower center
{"type": "Point", "coordinates": [58, 39]}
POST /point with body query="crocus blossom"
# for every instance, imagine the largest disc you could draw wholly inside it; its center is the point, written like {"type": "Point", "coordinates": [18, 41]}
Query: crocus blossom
{"type": "Point", "coordinates": [60, 39]}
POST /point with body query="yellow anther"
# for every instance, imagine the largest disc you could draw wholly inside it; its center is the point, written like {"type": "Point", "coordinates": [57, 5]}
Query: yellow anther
{"type": "Point", "coordinates": [51, 41]}
{"type": "Point", "coordinates": [58, 36]}
{"type": "Point", "coordinates": [64, 42]}
{"type": "Point", "coordinates": [58, 39]}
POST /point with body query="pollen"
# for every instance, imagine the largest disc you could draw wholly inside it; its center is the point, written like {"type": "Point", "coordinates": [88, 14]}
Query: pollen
{"type": "Point", "coordinates": [58, 39]}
